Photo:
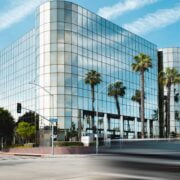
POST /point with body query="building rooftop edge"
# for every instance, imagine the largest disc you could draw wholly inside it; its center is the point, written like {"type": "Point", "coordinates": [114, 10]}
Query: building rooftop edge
{"type": "Point", "coordinates": [160, 49]}
{"type": "Point", "coordinates": [18, 38]}
{"type": "Point", "coordinates": [3, 48]}
{"type": "Point", "coordinates": [104, 19]}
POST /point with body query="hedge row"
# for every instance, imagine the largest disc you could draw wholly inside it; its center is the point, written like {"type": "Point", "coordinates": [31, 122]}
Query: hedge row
{"type": "Point", "coordinates": [67, 143]}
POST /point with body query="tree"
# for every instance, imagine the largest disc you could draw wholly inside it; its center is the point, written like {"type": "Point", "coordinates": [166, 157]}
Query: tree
{"type": "Point", "coordinates": [142, 64]}
{"type": "Point", "coordinates": [117, 90]}
{"type": "Point", "coordinates": [137, 98]}
{"type": "Point", "coordinates": [7, 125]}
{"type": "Point", "coordinates": [26, 131]}
{"type": "Point", "coordinates": [168, 78]}
{"type": "Point", "coordinates": [31, 118]}
{"type": "Point", "coordinates": [93, 78]}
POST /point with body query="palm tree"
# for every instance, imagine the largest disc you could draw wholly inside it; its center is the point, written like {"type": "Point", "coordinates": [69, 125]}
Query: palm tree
{"type": "Point", "coordinates": [117, 90]}
{"type": "Point", "coordinates": [137, 98]}
{"type": "Point", "coordinates": [168, 78]}
{"type": "Point", "coordinates": [142, 64]}
{"type": "Point", "coordinates": [93, 78]}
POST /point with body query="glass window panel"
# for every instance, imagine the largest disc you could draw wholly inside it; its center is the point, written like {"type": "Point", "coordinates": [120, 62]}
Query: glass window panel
{"type": "Point", "coordinates": [68, 16]}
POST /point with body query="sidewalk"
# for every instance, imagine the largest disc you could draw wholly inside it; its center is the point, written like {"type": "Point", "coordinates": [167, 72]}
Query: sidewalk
{"type": "Point", "coordinates": [46, 151]}
{"type": "Point", "coordinates": [20, 154]}
{"type": "Point", "coordinates": [46, 155]}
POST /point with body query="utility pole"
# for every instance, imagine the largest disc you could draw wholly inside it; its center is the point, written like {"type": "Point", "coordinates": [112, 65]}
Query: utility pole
{"type": "Point", "coordinates": [52, 104]}
{"type": "Point", "coordinates": [2, 145]}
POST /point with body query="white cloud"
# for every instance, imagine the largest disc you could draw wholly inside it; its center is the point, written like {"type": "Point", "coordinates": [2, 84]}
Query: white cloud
{"type": "Point", "coordinates": [122, 7]}
{"type": "Point", "coordinates": [17, 12]}
{"type": "Point", "coordinates": [153, 21]}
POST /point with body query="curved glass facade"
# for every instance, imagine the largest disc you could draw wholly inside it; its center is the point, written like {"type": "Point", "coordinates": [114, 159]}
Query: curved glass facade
{"type": "Point", "coordinates": [70, 41]}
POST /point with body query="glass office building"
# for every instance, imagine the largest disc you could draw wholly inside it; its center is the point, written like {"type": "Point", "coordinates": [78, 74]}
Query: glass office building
{"type": "Point", "coordinates": [67, 42]}
{"type": "Point", "coordinates": [17, 68]}
{"type": "Point", "coordinates": [170, 57]}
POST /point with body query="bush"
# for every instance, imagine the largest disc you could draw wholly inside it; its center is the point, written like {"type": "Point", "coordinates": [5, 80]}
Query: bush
{"type": "Point", "coordinates": [29, 145]}
{"type": "Point", "coordinates": [67, 143]}
{"type": "Point", "coordinates": [92, 143]}
{"type": "Point", "coordinates": [16, 146]}
{"type": "Point", "coordinates": [173, 134]}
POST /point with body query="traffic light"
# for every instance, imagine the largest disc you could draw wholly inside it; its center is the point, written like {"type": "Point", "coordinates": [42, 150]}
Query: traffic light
{"type": "Point", "coordinates": [18, 107]}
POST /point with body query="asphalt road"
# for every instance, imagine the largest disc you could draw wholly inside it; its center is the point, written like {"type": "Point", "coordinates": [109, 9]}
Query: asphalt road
{"type": "Point", "coordinates": [88, 167]}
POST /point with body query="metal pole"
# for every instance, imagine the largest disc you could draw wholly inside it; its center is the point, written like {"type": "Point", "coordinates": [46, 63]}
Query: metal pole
{"type": "Point", "coordinates": [2, 145]}
{"type": "Point", "coordinates": [97, 140]}
{"type": "Point", "coordinates": [36, 141]}
{"type": "Point", "coordinates": [52, 125]}
{"type": "Point", "coordinates": [52, 102]}
{"type": "Point", "coordinates": [52, 137]}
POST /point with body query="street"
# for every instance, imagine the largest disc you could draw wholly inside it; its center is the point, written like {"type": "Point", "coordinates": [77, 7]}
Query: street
{"type": "Point", "coordinates": [87, 167]}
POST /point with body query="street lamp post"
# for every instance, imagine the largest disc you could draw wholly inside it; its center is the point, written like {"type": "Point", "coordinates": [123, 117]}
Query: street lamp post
{"type": "Point", "coordinates": [2, 144]}
{"type": "Point", "coordinates": [52, 123]}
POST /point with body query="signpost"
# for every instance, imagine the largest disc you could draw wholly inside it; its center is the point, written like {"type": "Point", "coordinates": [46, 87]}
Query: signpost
{"type": "Point", "coordinates": [52, 121]}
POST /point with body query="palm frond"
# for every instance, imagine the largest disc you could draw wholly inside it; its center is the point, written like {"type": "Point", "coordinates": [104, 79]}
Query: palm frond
{"type": "Point", "coordinates": [142, 63]}
{"type": "Point", "coordinates": [169, 77]}
{"type": "Point", "coordinates": [116, 89]}
{"type": "Point", "coordinates": [93, 78]}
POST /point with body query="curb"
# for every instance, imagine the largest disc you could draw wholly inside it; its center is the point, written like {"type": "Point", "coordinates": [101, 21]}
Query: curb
{"type": "Point", "coordinates": [30, 155]}
{"type": "Point", "coordinates": [48, 155]}
{"type": "Point", "coordinates": [22, 154]}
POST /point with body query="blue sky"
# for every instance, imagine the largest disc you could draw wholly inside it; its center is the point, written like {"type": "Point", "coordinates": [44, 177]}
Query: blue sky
{"type": "Point", "coordinates": [156, 20]}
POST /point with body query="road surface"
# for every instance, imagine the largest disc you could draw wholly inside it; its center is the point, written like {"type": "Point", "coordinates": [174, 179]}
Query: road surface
{"type": "Point", "coordinates": [88, 167]}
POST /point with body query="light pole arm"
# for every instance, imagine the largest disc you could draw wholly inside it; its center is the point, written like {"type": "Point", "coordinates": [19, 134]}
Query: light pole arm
{"type": "Point", "coordinates": [41, 88]}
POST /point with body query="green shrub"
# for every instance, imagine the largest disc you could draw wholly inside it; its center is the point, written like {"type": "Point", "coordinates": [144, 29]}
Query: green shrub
{"type": "Point", "coordinates": [67, 143]}
{"type": "Point", "coordinates": [27, 145]}
{"type": "Point", "coordinates": [92, 143]}
{"type": "Point", "coordinates": [30, 145]}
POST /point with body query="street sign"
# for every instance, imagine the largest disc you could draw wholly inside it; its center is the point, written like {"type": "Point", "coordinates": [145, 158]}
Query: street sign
{"type": "Point", "coordinates": [54, 136]}
{"type": "Point", "coordinates": [53, 120]}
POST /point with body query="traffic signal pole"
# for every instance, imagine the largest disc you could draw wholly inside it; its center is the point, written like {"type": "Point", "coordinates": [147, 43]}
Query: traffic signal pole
{"type": "Point", "coordinates": [52, 104]}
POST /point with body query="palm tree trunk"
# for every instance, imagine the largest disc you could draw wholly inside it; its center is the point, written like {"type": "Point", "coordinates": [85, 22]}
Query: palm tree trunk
{"type": "Point", "coordinates": [142, 104]}
{"type": "Point", "coordinates": [168, 110]}
{"type": "Point", "coordinates": [117, 105]}
{"type": "Point", "coordinates": [165, 109]}
{"type": "Point", "coordinates": [139, 110]}
{"type": "Point", "coordinates": [118, 109]}
{"type": "Point", "coordinates": [93, 99]}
